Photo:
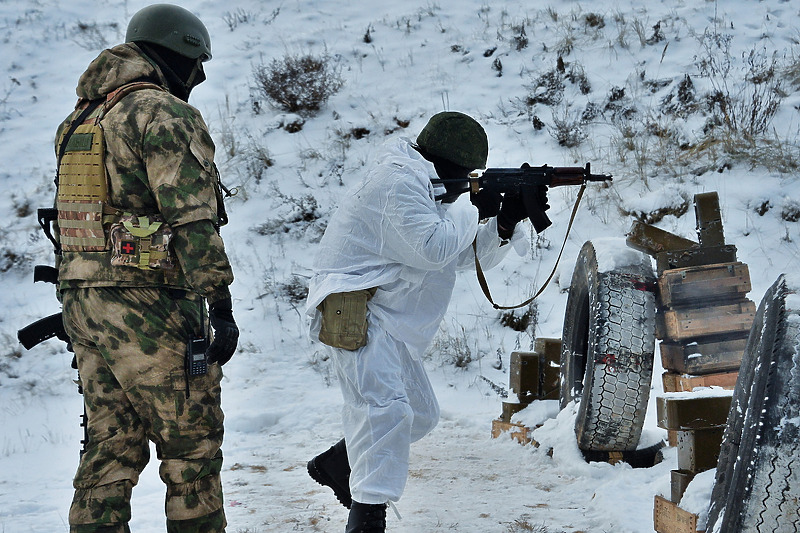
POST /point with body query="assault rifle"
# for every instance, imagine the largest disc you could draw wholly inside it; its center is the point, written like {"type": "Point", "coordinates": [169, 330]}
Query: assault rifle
{"type": "Point", "coordinates": [515, 180]}
{"type": "Point", "coordinates": [505, 180]}
{"type": "Point", "coordinates": [41, 330]}
{"type": "Point", "coordinates": [48, 327]}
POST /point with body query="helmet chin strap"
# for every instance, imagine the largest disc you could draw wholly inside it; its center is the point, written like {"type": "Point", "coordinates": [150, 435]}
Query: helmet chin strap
{"type": "Point", "coordinates": [197, 73]}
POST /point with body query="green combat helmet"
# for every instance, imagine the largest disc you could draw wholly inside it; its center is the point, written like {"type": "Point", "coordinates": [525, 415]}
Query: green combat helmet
{"type": "Point", "coordinates": [172, 27]}
{"type": "Point", "coordinates": [455, 137]}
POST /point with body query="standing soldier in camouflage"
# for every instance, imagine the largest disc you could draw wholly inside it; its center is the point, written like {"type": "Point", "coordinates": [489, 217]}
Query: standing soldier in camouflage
{"type": "Point", "coordinates": [139, 210]}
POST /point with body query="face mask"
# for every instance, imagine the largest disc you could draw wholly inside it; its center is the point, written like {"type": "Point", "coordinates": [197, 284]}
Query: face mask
{"type": "Point", "coordinates": [197, 76]}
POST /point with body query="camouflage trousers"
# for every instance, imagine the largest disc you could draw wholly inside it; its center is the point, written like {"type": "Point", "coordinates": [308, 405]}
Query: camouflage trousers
{"type": "Point", "coordinates": [130, 345]}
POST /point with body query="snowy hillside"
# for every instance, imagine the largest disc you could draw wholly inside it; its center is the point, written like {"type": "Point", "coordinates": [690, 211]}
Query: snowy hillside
{"type": "Point", "coordinates": [635, 88]}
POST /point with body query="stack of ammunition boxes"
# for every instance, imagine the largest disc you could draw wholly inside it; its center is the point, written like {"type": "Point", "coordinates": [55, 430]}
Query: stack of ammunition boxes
{"type": "Point", "coordinates": [533, 376]}
{"type": "Point", "coordinates": [704, 315]}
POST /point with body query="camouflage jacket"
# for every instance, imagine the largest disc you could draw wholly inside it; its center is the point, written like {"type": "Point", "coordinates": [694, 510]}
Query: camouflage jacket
{"type": "Point", "coordinates": [159, 160]}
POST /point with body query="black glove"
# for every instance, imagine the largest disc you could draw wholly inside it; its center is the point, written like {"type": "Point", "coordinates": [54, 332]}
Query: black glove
{"type": "Point", "coordinates": [530, 202]}
{"type": "Point", "coordinates": [487, 202]}
{"type": "Point", "coordinates": [534, 197]}
{"type": "Point", "coordinates": [511, 212]}
{"type": "Point", "coordinates": [226, 333]}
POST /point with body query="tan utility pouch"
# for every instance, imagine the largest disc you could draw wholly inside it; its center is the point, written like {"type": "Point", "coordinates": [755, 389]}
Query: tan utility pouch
{"type": "Point", "coordinates": [344, 319]}
{"type": "Point", "coordinates": [141, 242]}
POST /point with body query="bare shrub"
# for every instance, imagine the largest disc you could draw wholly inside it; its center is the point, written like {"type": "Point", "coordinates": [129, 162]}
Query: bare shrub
{"type": "Point", "coordinates": [547, 89]}
{"type": "Point", "coordinates": [294, 290]}
{"type": "Point", "coordinates": [521, 320]}
{"type": "Point", "coordinates": [299, 217]}
{"type": "Point", "coordinates": [791, 211]}
{"type": "Point", "coordinates": [519, 40]}
{"type": "Point", "coordinates": [568, 130]}
{"type": "Point", "coordinates": [744, 99]}
{"type": "Point", "coordinates": [299, 83]}
{"type": "Point", "coordinates": [455, 349]}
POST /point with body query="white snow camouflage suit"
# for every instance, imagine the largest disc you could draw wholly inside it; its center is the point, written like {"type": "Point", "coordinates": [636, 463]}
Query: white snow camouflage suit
{"type": "Point", "coordinates": [392, 235]}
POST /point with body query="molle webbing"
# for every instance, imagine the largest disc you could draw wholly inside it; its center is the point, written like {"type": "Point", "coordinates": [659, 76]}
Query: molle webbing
{"type": "Point", "coordinates": [82, 200]}
{"type": "Point", "coordinates": [82, 190]}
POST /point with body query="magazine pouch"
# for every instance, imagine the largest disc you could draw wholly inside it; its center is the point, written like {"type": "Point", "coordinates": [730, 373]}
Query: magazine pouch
{"type": "Point", "coordinates": [344, 319]}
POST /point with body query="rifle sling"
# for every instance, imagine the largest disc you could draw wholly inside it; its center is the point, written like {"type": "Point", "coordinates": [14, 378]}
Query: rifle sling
{"type": "Point", "coordinates": [482, 278]}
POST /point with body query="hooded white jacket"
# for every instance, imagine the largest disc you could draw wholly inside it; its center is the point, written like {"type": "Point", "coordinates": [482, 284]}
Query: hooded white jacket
{"type": "Point", "coordinates": [390, 233]}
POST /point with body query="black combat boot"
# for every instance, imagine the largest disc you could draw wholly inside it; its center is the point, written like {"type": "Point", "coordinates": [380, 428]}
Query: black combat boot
{"type": "Point", "coordinates": [331, 469]}
{"type": "Point", "coordinates": [367, 518]}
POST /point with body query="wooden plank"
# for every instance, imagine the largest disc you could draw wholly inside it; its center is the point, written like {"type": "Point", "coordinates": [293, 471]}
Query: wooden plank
{"type": "Point", "coordinates": [709, 255]}
{"type": "Point", "coordinates": [683, 324]}
{"type": "Point", "coordinates": [693, 286]}
{"type": "Point", "coordinates": [686, 413]}
{"type": "Point", "coordinates": [669, 518]}
{"type": "Point", "coordinates": [517, 432]}
{"type": "Point", "coordinates": [709, 219]}
{"type": "Point", "coordinates": [652, 240]}
{"type": "Point", "coordinates": [704, 356]}
{"type": "Point", "coordinates": [550, 367]}
{"type": "Point", "coordinates": [674, 382]}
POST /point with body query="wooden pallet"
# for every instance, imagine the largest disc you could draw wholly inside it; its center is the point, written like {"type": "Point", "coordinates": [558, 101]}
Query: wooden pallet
{"type": "Point", "coordinates": [517, 432]}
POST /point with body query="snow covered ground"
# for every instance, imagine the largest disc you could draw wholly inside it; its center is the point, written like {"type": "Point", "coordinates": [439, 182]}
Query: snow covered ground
{"type": "Point", "coordinates": [400, 63]}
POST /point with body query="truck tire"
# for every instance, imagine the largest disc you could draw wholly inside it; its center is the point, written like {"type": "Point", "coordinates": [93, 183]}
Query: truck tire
{"type": "Point", "coordinates": [608, 344]}
{"type": "Point", "coordinates": [757, 484]}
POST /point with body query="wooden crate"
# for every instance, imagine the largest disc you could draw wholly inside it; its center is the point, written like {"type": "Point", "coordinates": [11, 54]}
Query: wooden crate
{"type": "Point", "coordinates": [669, 518]}
{"type": "Point", "coordinates": [683, 414]}
{"type": "Point", "coordinates": [707, 255]}
{"type": "Point", "coordinates": [523, 375]}
{"type": "Point", "coordinates": [704, 356]}
{"type": "Point", "coordinates": [686, 287]}
{"type": "Point", "coordinates": [510, 409]}
{"type": "Point", "coordinates": [674, 382]}
{"type": "Point", "coordinates": [517, 432]}
{"type": "Point", "coordinates": [698, 449]}
{"type": "Point", "coordinates": [535, 375]}
{"type": "Point", "coordinates": [687, 324]}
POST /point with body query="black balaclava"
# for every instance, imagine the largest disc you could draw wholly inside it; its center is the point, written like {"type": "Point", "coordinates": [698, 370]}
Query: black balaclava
{"type": "Point", "coordinates": [454, 177]}
{"type": "Point", "coordinates": [182, 73]}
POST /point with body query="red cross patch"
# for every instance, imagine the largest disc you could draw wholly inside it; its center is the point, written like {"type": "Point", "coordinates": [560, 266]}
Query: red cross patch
{"type": "Point", "coordinates": [128, 248]}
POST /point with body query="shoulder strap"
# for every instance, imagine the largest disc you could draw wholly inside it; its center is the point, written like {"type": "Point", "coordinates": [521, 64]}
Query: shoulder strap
{"type": "Point", "coordinates": [482, 279]}
{"type": "Point", "coordinates": [93, 104]}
